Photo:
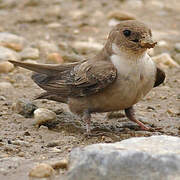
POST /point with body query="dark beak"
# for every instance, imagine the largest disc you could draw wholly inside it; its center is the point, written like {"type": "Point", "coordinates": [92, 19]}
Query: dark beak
{"type": "Point", "coordinates": [147, 42]}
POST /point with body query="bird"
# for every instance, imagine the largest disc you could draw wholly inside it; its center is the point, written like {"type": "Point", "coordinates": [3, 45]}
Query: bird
{"type": "Point", "coordinates": [116, 78]}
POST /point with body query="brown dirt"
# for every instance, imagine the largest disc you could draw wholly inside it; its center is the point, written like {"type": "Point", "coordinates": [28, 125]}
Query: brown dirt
{"type": "Point", "coordinates": [160, 108]}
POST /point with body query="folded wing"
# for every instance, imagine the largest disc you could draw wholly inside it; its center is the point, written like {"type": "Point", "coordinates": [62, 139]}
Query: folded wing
{"type": "Point", "coordinates": [72, 80]}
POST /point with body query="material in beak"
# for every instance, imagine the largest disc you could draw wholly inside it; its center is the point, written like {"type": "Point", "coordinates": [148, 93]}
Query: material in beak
{"type": "Point", "coordinates": [147, 42]}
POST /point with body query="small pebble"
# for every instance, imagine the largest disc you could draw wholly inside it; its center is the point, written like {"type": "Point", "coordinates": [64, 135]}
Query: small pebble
{"type": "Point", "coordinates": [177, 47]}
{"type": "Point", "coordinates": [12, 41]}
{"type": "Point", "coordinates": [54, 25]}
{"type": "Point", "coordinates": [120, 15]}
{"type": "Point", "coordinates": [72, 57]}
{"type": "Point", "coordinates": [8, 54]}
{"type": "Point", "coordinates": [14, 46]}
{"type": "Point", "coordinates": [24, 107]}
{"type": "Point", "coordinates": [134, 3]}
{"type": "Point", "coordinates": [43, 115]}
{"type": "Point", "coordinates": [20, 143]}
{"type": "Point", "coordinates": [47, 47]}
{"type": "Point", "coordinates": [41, 171]}
{"type": "Point", "coordinates": [165, 60]}
{"type": "Point", "coordinates": [106, 139]}
{"type": "Point", "coordinates": [83, 46]}
{"type": "Point", "coordinates": [27, 133]}
{"type": "Point", "coordinates": [53, 143]}
{"type": "Point", "coordinates": [63, 164]}
{"type": "Point", "coordinates": [43, 128]}
{"type": "Point", "coordinates": [113, 22]}
{"type": "Point", "coordinates": [30, 53]}
{"type": "Point", "coordinates": [55, 58]}
{"type": "Point", "coordinates": [177, 57]}
{"type": "Point", "coordinates": [21, 154]}
{"type": "Point", "coordinates": [53, 10]}
{"type": "Point", "coordinates": [5, 86]}
{"type": "Point", "coordinates": [162, 43]}
{"type": "Point", "coordinates": [2, 98]}
{"type": "Point", "coordinates": [31, 3]}
{"type": "Point", "coordinates": [178, 96]}
{"type": "Point", "coordinates": [6, 67]}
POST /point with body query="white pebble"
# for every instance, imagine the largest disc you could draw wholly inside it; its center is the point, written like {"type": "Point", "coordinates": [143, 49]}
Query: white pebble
{"type": "Point", "coordinates": [6, 67]}
{"type": "Point", "coordinates": [162, 43]}
{"type": "Point", "coordinates": [43, 115]}
{"type": "Point", "coordinates": [41, 171]}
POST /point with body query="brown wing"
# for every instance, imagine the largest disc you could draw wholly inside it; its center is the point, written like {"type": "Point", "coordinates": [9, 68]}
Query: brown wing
{"type": "Point", "coordinates": [160, 77]}
{"type": "Point", "coordinates": [83, 79]}
{"type": "Point", "coordinates": [71, 80]}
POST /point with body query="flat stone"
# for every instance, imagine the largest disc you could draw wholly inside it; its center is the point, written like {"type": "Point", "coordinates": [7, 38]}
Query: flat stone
{"type": "Point", "coordinates": [155, 157]}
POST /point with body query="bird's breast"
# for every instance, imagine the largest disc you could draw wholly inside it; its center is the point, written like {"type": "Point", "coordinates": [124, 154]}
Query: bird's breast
{"type": "Point", "coordinates": [134, 81]}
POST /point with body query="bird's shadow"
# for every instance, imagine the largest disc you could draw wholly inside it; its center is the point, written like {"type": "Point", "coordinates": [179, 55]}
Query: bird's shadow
{"type": "Point", "coordinates": [70, 123]}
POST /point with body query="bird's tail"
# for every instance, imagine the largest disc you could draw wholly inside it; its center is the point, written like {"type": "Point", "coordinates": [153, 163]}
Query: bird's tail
{"type": "Point", "coordinates": [48, 69]}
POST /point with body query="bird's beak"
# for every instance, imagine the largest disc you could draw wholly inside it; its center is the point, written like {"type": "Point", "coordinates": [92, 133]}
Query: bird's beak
{"type": "Point", "coordinates": [147, 42]}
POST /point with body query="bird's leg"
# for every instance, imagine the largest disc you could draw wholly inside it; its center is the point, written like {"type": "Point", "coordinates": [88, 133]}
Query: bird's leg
{"type": "Point", "coordinates": [130, 115]}
{"type": "Point", "coordinates": [87, 119]}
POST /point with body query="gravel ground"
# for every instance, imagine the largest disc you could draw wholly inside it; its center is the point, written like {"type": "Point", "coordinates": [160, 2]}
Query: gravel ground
{"type": "Point", "coordinates": [55, 27]}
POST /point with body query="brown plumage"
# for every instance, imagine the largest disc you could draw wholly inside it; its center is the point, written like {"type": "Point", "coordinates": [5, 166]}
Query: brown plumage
{"type": "Point", "coordinates": [115, 79]}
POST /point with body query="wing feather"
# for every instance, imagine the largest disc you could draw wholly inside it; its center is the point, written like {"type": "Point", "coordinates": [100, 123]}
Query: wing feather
{"type": "Point", "coordinates": [83, 79]}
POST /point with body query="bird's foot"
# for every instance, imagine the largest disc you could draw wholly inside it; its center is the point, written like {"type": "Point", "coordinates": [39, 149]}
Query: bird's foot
{"type": "Point", "coordinates": [130, 114]}
{"type": "Point", "coordinates": [87, 119]}
{"type": "Point", "coordinates": [145, 128]}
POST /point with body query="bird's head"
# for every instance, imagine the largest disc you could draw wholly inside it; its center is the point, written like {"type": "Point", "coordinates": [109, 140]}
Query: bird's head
{"type": "Point", "coordinates": [130, 36]}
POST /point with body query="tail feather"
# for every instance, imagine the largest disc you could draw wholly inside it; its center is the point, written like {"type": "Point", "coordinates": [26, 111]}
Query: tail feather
{"type": "Point", "coordinates": [49, 69]}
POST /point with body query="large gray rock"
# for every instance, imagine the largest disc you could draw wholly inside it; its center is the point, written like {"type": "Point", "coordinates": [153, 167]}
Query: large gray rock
{"type": "Point", "coordinates": [144, 158]}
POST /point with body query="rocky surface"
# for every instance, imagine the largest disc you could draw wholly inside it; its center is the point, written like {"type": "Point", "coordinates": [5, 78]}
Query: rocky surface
{"type": "Point", "coordinates": [59, 31]}
{"type": "Point", "coordinates": [152, 158]}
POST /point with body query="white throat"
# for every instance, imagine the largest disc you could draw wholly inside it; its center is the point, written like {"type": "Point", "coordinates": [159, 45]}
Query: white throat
{"type": "Point", "coordinates": [126, 63]}
{"type": "Point", "coordinates": [127, 54]}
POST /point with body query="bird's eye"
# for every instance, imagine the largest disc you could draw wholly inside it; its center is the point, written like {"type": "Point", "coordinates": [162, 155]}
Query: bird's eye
{"type": "Point", "coordinates": [127, 33]}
